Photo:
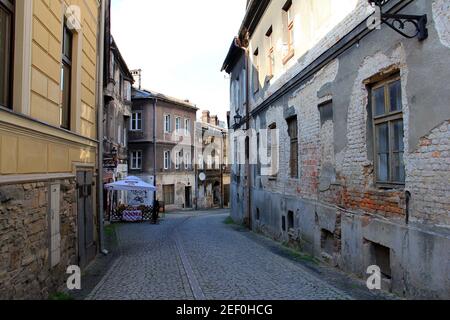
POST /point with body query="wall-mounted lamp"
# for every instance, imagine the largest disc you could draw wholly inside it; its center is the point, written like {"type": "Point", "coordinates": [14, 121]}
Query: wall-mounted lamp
{"type": "Point", "coordinates": [237, 119]}
{"type": "Point", "coordinates": [399, 22]}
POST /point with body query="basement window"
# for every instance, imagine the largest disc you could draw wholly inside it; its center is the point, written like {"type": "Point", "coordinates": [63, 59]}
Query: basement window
{"type": "Point", "coordinates": [382, 256]}
{"type": "Point", "coordinates": [327, 242]}
{"type": "Point", "coordinates": [293, 135]}
{"type": "Point", "coordinates": [290, 220]}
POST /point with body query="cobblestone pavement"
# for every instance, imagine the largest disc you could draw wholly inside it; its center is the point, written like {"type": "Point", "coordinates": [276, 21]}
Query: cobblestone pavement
{"type": "Point", "coordinates": [197, 256]}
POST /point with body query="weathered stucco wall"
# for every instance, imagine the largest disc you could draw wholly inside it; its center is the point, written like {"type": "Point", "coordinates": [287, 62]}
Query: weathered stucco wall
{"type": "Point", "coordinates": [350, 218]}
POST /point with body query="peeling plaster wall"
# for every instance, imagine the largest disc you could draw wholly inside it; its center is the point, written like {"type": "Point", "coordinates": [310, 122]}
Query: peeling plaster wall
{"type": "Point", "coordinates": [441, 16]}
{"type": "Point", "coordinates": [353, 209]}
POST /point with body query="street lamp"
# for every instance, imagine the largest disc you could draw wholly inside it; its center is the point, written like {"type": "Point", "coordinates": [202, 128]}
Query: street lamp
{"type": "Point", "coordinates": [398, 22]}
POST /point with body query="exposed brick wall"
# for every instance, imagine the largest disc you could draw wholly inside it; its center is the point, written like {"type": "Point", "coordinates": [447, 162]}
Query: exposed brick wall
{"type": "Point", "coordinates": [429, 177]}
{"type": "Point", "coordinates": [441, 16]}
{"type": "Point", "coordinates": [305, 102]}
{"type": "Point", "coordinates": [354, 168]}
{"type": "Point", "coordinates": [24, 236]}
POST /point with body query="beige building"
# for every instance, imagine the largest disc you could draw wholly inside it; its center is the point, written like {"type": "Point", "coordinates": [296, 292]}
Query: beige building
{"type": "Point", "coordinates": [172, 134]}
{"type": "Point", "coordinates": [212, 166]}
{"type": "Point", "coordinates": [48, 142]}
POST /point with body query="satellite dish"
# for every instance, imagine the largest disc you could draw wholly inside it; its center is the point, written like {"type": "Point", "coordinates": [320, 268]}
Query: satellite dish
{"type": "Point", "coordinates": [202, 176]}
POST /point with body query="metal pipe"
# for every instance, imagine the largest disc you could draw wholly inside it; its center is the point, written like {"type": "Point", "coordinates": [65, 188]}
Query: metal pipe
{"type": "Point", "coordinates": [247, 158]}
{"type": "Point", "coordinates": [100, 102]}
{"type": "Point", "coordinates": [154, 146]}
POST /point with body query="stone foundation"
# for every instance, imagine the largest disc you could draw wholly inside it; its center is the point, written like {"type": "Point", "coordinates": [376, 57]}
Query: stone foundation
{"type": "Point", "coordinates": [25, 271]}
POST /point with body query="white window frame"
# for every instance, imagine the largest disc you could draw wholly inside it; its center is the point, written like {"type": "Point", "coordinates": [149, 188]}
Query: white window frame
{"type": "Point", "coordinates": [187, 160]}
{"type": "Point", "coordinates": [135, 158]}
{"type": "Point", "coordinates": [167, 160]}
{"type": "Point", "coordinates": [177, 124]}
{"type": "Point", "coordinates": [167, 123]}
{"type": "Point", "coordinates": [134, 121]}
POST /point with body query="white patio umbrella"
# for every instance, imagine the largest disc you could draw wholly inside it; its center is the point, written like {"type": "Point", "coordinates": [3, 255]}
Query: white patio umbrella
{"type": "Point", "coordinates": [130, 184]}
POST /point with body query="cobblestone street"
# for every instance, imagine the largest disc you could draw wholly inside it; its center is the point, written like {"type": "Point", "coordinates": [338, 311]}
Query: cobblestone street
{"type": "Point", "coordinates": [198, 256]}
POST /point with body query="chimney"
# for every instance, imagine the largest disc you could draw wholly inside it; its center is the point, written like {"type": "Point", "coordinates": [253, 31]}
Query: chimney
{"type": "Point", "coordinates": [214, 120]}
{"type": "Point", "coordinates": [205, 117]}
{"type": "Point", "coordinates": [137, 76]}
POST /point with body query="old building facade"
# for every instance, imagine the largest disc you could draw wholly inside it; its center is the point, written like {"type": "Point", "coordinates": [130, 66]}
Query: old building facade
{"type": "Point", "coordinates": [212, 165]}
{"type": "Point", "coordinates": [172, 134]}
{"type": "Point", "coordinates": [48, 142]}
{"type": "Point", "coordinates": [116, 115]}
{"type": "Point", "coordinates": [351, 125]}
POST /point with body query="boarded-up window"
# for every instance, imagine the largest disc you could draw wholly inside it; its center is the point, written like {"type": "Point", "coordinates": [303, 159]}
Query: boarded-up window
{"type": "Point", "coordinates": [55, 226]}
{"type": "Point", "coordinates": [169, 194]}
{"type": "Point", "coordinates": [326, 112]}
{"type": "Point", "coordinates": [273, 149]}
{"type": "Point", "coordinates": [293, 135]}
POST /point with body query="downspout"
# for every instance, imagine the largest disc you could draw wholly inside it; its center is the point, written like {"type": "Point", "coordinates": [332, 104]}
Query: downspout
{"type": "Point", "coordinates": [100, 102]}
{"type": "Point", "coordinates": [155, 100]}
{"type": "Point", "coordinates": [247, 116]}
{"type": "Point", "coordinates": [247, 127]}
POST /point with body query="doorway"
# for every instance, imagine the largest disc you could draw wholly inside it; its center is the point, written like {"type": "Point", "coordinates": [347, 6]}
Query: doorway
{"type": "Point", "coordinates": [188, 197]}
{"type": "Point", "coordinates": [87, 248]}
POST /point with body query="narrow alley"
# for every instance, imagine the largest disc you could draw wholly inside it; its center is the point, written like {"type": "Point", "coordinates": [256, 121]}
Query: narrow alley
{"type": "Point", "coordinates": [202, 256]}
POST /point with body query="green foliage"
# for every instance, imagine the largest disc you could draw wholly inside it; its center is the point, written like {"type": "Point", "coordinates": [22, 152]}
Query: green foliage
{"type": "Point", "coordinates": [110, 230]}
{"type": "Point", "coordinates": [61, 296]}
{"type": "Point", "coordinates": [229, 221]}
{"type": "Point", "coordinates": [299, 256]}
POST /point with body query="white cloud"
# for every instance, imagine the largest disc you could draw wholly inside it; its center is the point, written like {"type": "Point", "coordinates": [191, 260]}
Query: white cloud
{"type": "Point", "coordinates": [180, 45]}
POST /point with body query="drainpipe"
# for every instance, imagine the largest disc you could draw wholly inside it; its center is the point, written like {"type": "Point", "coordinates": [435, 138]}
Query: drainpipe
{"type": "Point", "coordinates": [154, 146]}
{"type": "Point", "coordinates": [247, 125]}
{"type": "Point", "coordinates": [100, 103]}
{"type": "Point", "coordinates": [249, 174]}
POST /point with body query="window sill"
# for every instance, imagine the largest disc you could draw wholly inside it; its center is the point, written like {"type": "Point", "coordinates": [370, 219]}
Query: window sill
{"type": "Point", "coordinates": [289, 56]}
{"type": "Point", "coordinates": [389, 186]}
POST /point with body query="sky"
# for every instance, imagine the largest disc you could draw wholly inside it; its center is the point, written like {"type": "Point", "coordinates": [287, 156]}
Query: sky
{"type": "Point", "coordinates": [180, 46]}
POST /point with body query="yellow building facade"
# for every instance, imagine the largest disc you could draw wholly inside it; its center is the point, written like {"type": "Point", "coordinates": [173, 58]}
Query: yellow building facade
{"type": "Point", "coordinates": [48, 170]}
